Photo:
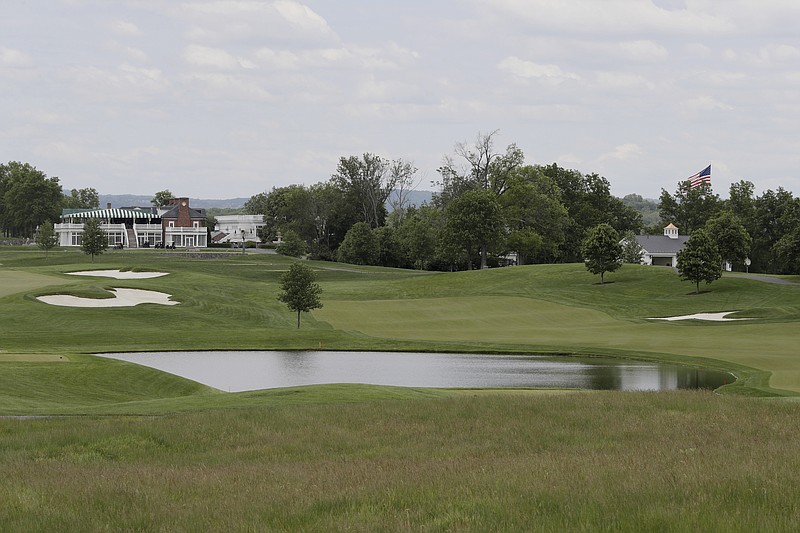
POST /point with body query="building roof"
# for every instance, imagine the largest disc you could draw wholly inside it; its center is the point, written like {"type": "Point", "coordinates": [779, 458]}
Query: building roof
{"type": "Point", "coordinates": [110, 213]}
{"type": "Point", "coordinates": [661, 244]}
{"type": "Point", "coordinates": [172, 212]}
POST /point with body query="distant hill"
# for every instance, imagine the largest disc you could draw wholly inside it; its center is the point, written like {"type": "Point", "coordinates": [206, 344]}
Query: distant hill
{"type": "Point", "coordinates": [415, 198]}
{"type": "Point", "coordinates": [644, 206]}
{"type": "Point", "coordinates": [140, 200]}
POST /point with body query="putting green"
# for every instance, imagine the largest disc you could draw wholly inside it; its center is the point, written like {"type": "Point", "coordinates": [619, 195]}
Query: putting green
{"type": "Point", "coordinates": [543, 325]}
{"type": "Point", "coordinates": [14, 282]}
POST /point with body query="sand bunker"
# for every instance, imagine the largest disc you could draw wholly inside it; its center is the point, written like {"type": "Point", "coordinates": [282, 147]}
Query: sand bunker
{"type": "Point", "coordinates": [715, 317]}
{"type": "Point", "coordinates": [117, 274]}
{"type": "Point", "coordinates": [122, 298]}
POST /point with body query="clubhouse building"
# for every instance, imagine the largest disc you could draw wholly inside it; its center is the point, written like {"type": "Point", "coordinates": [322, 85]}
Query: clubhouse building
{"type": "Point", "coordinates": [175, 224]}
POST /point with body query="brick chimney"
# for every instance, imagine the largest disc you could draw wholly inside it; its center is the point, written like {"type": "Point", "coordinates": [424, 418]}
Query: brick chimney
{"type": "Point", "coordinates": [184, 220]}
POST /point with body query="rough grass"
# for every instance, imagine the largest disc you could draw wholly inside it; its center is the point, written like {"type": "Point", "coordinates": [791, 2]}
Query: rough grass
{"type": "Point", "coordinates": [680, 461]}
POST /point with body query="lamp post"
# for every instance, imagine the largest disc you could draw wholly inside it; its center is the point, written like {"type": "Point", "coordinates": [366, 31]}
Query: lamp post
{"type": "Point", "coordinates": [243, 247]}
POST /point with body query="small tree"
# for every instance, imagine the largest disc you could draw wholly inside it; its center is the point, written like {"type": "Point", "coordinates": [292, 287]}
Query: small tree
{"type": "Point", "coordinates": [602, 250]}
{"type": "Point", "coordinates": [46, 237]}
{"type": "Point", "coordinates": [94, 240]}
{"type": "Point", "coordinates": [299, 291]}
{"type": "Point", "coordinates": [632, 251]}
{"type": "Point", "coordinates": [699, 260]}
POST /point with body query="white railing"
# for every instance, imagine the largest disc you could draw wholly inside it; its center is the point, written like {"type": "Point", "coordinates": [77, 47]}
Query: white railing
{"type": "Point", "coordinates": [193, 231]}
{"type": "Point", "coordinates": [147, 227]}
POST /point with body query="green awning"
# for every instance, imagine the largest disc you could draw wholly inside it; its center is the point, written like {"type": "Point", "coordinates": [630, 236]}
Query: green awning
{"type": "Point", "coordinates": [112, 213]}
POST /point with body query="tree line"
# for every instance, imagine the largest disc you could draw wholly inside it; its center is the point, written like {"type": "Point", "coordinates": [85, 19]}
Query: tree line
{"type": "Point", "coordinates": [490, 205]}
{"type": "Point", "coordinates": [493, 206]}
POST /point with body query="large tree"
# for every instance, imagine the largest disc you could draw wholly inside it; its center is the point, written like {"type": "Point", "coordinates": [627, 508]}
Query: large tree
{"type": "Point", "coordinates": [534, 216]}
{"type": "Point", "coordinates": [602, 250]}
{"type": "Point", "coordinates": [477, 167]}
{"type": "Point", "coordinates": [299, 291]}
{"type": "Point", "coordinates": [367, 183]}
{"type": "Point", "coordinates": [774, 215]}
{"type": "Point", "coordinates": [94, 240]}
{"type": "Point", "coordinates": [474, 223]}
{"type": "Point", "coordinates": [690, 208]}
{"type": "Point", "coordinates": [27, 198]}
{"type": "Point", "coordinates": [729, 234]}
{"type": "Point", "coordinates": [589, 202]}
{"type": "Point", "coordinates": [699, 260]}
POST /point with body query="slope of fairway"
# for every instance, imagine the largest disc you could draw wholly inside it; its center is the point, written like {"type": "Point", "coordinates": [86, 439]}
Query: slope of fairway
{"type": "Point", "coordinates": [14, 282]}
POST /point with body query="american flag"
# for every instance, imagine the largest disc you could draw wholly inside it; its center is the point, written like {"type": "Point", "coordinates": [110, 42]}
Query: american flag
{"type": "Point", "coordinates": [704, 176]}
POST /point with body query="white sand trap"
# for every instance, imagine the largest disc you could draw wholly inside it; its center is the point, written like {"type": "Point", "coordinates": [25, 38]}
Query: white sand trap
{"type": "Point", "coordinates": [122, 298]}
{"type": "Point", "coordinates": [117, 274]}
{"type": "Point", "coordinates": [715, 317]}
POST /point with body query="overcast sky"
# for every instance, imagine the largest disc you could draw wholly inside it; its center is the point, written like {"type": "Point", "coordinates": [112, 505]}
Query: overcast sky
{"type": "Point", "coordinates": [219, 99]}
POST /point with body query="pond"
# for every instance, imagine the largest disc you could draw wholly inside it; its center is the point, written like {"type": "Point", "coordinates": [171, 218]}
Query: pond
{"type": "Point", "coordinates": [243, 371]}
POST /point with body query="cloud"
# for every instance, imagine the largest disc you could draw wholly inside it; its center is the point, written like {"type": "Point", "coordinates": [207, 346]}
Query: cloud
{"type": "Point", "coordinates": [528, 69]}
{"type": "Point", "coordinates": [613, 17]}
{"type": "Point", "coordinates": [623, 152]}
{"type": "Point", "coordinates": [10, 57]}
{"type": "Point", "coordinates": [204, 56]}
{"type": "Point", "coordinates": [705, 104]}
{"type": "Point", "coordinates": [125, 28]}
{"type": "Point", "coordinates": [266, 23]}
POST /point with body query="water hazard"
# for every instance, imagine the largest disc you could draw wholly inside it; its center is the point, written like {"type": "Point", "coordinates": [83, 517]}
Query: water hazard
{"type": "Point", "coordinates": [243, 371]}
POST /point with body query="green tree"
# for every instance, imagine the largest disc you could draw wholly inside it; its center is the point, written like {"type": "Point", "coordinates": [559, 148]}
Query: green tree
{"type": "Point", "coordinates": [534, 216]}
{"type": "Point", "coordinates": [417, 235]}
{"type": "Point", "coordinates": [589, 202]}
{"type": "Point", "coordinates": [730, 236]}
{"type": "Point", "coordinates": [699, 260]}
{"type": "Point", "coordinates": [46, 237]}
{"type": "Point", "coordinates": [292, 245]}
{"type": "Point", "coordinates": [367, 183]}
{"type": "Point", "coordinates": [360, 246]}
{"type": "Point", "coordinates": [632, 251]}
{"type": "Point", "coordinates": [162, 198]}
{"type": "Point", "coordinates": [94, 240]}
{"type": "Point", "coordinates": [774, 215]}
{"type": "Point", "coordinates": [299, 291]}
{"type": "Point", "coordinates": [27, 198]}
{"type": "Point", "coordinates": [82, 199]}
{"type": "Point", "coordinates": [602, 250]}
{"type": "Point", "coordinates": [474, 221]}
{"type": "Point", "coordinates": [690, 208]}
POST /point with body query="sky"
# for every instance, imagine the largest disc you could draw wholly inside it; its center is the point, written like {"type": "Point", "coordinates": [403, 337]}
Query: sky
{"type": "Point", "coordinates": [230, 98]}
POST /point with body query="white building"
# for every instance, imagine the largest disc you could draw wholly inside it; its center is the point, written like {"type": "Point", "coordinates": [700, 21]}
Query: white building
{"type": "Point", "coordinates": [233, 226]}
{"type": "Point", "coordinates": [176, 224]}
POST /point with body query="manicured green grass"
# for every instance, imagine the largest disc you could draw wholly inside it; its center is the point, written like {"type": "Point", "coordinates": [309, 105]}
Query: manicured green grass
{"type": "Point", "coordinates": [130, 448]}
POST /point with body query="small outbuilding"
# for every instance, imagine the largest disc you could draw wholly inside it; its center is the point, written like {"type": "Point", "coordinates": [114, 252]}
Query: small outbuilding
{"type": "Point", "coordinates": [662, 250]}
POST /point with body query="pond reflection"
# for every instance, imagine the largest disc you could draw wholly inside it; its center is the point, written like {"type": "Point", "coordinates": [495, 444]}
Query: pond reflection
{"type": "Point", "coordinates": [242, 371]}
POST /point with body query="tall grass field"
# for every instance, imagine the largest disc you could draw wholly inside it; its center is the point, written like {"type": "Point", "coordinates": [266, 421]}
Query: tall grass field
{"type": "Point", "coordinates": [91, 444]}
